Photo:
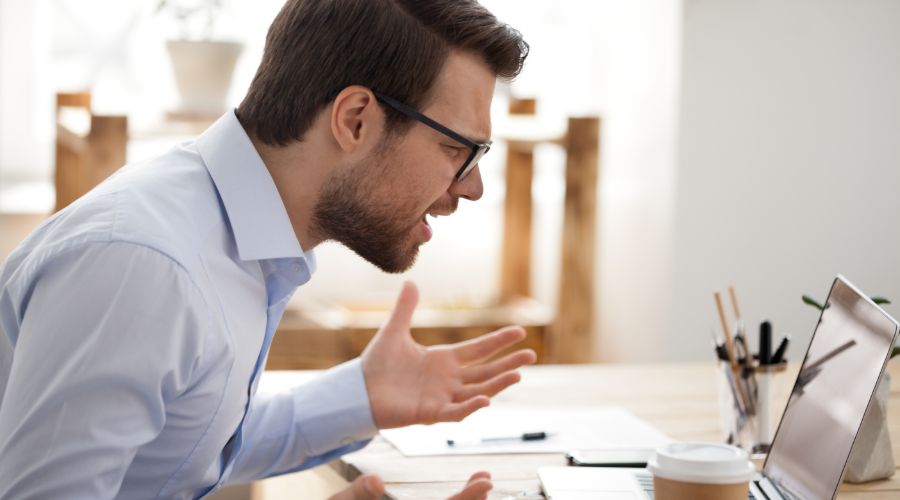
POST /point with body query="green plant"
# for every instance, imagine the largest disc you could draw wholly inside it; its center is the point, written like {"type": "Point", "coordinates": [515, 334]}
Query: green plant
{"type": "Point", "coordinates": [878, 300]}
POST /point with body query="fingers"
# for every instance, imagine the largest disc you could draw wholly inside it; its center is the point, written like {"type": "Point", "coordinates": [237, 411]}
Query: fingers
{"type": "Point", "coordinates": [487, 345]}
{"type": "Point", "coordinates": [454, 412]}
{"type": "Point", "coordinates": [401, 316]}
{"type": "Point", "coordinates": [488, 388]}
{"type": "Point", "coordinates": [480, 373]}
{"type": "Point", "coordinates": [365, 487]}
{"type": "Point", "coordinates": [476, 488]}
{"type": "Point", "coordinates": [483, 474]}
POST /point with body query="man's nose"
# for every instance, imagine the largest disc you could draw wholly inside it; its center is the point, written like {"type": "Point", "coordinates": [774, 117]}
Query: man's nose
{"type": "Point", "coordinates": [470, 187]}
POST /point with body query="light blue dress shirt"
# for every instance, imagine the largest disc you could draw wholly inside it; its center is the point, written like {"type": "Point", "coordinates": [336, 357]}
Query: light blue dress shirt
{"type": "Point", "coordinates": [134, 326]}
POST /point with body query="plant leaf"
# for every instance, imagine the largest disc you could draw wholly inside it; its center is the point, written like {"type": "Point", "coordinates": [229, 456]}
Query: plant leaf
{"type": "Point", "coordinates": [880, 300]}
{"type": "Point", "coordinates": [895, 352]}
{"type": "Point", "coordinates": [811, 301]}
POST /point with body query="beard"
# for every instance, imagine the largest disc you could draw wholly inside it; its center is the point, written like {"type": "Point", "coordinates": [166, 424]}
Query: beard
{"type": "Point", "coordinates": [355, 210]}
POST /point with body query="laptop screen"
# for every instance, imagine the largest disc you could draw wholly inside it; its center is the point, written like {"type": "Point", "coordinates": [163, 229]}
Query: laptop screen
{"type": "Point", "coordinates": [846, 356]}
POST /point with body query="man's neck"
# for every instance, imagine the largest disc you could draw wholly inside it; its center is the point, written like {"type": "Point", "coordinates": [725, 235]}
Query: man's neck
{"type": "Point", "coordinates": [298, 173]}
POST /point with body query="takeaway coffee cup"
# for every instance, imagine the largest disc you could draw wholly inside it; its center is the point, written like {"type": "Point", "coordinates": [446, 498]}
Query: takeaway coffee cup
{"type": "Point", "coordinates": [701, 471]}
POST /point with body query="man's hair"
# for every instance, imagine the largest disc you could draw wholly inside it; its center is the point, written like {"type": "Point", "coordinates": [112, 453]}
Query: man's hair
{"type": "Point", "coordinates": [316, 48]}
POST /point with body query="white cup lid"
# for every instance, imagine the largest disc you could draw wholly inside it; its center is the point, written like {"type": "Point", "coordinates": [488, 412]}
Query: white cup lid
{"type": "Point", "coordinates": [702, 463]}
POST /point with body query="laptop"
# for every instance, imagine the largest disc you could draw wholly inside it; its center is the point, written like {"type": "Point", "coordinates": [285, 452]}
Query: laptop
{"type": "Point", "coordinates": [847, 354]}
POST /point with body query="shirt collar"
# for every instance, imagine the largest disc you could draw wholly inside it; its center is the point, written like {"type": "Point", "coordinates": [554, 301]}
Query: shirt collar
{"type": "Point", "coordinates": [256, 213]}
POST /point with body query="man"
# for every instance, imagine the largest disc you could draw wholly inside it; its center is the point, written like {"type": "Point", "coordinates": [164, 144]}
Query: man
{"type": "Point", "coordinates": [136, 322]}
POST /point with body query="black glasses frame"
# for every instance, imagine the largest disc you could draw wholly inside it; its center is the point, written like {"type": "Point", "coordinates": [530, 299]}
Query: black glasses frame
{"type": "Point", "coordinates": [477, 150]}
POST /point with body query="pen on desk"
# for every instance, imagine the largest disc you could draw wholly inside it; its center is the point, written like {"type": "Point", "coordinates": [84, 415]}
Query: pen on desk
{"type": "Point", "coordinates": [778, 357]}
{"type": "Point", "coordinates": [527, 436]}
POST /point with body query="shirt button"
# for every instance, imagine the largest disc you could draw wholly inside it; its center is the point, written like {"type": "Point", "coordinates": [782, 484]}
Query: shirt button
{"type": "Point", "coordinates": [296, 267]}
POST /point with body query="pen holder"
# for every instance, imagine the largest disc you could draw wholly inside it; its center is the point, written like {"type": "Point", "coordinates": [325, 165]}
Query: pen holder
{"type": "Point", "coordinates": [737, 422]}
{"type": "Point", "coordinates": [763, 414]}
{"type": "Point", "coordinates": [745, 404]}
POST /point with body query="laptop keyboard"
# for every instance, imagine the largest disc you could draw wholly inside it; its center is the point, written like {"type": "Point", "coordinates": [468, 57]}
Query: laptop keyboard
{"type": "Point", "coordinates": [645, 480]}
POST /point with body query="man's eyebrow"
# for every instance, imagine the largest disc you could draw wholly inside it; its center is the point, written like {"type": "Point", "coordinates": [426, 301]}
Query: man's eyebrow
{"type": "Point", "coordinates": [467, 133]}
{"type": "Point", "coordinates": [476, 138]}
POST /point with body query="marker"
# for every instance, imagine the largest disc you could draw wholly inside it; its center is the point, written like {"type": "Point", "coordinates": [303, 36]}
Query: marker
{"type": "Point", "coordinates": [778, 357]}
{"type": "Point", "coordinates": [528, 436]}
{"type": "Point", "coordinates": [765, 343]}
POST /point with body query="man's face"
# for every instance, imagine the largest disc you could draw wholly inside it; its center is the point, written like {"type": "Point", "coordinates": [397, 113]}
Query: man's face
{"type": "Point", "coordinates": [378, 207]}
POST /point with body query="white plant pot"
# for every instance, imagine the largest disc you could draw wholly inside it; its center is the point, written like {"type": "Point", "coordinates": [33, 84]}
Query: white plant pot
{"type": "Point", "coordinates": [872, 457]}
{"type": "Point", "coordinates": [203, 72]}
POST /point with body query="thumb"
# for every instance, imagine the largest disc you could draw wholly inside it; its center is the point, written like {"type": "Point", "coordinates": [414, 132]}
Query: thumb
{"type": "Point", "coordinates": [401, 316]}
{"type": "Point", "coordinates": [366, 487]}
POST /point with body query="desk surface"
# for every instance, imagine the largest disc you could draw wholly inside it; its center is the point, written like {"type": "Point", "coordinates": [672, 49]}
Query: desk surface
{"type": "Point", "coordinates": [679, 399]}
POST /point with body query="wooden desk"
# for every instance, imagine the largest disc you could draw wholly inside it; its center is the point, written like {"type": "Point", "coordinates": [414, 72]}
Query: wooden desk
{"type": "Point", "coordinates": [679, 399]}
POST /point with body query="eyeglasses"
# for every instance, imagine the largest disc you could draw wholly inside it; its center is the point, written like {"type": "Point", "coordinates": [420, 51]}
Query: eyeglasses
{"type": "Point", "coordinates": [477, 150]}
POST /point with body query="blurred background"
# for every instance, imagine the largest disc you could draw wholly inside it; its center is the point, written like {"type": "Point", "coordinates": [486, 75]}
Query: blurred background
{"type": "Point", "coordinates": [753, 144]}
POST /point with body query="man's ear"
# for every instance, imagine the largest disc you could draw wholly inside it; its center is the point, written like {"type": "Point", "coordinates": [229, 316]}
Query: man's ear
{"type": "Point", "coordinates": [355, 117]}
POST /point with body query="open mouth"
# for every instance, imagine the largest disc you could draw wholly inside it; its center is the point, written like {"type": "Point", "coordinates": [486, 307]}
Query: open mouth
{"type": "Point", "coordinates": [427, 231]}
{"type": "Point", "coordinates": [434, 213]}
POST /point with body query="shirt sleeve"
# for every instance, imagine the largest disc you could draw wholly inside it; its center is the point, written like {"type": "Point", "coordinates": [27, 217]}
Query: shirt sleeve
{"type": "Point", "coordinates": [108, 333]}
{"type": "Point", "coordinates": [307, 426]}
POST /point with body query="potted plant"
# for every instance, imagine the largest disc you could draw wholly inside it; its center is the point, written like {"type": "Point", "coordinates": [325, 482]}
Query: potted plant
{"type": "Point", "coordinates": [203, 67]}
{"type": "Point", "coordinates": [872, 456]}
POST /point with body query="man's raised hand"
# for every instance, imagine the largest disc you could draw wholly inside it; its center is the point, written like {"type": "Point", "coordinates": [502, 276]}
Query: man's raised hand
{"type": "Point", "coordinates": [409, 383]}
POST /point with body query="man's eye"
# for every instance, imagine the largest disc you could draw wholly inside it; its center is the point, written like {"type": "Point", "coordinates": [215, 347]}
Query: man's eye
{"type": "Point", "coordinates": [453, 150]}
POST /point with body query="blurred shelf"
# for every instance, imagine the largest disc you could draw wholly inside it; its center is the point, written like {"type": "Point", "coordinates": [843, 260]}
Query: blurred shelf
{"type": "Point", "coordinates": [321, 335]}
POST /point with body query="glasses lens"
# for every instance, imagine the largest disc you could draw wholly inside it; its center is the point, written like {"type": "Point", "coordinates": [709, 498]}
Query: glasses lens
{"type": "Point", "coordinates": [473, 161]}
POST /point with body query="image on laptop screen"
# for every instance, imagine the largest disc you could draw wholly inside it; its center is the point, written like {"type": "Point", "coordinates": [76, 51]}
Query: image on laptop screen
{"type": "Point", "coordinates": [846, 355]}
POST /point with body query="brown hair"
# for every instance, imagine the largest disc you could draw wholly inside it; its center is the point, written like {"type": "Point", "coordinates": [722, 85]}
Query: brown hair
{"type": "Point", "coordinates": [316, 48]}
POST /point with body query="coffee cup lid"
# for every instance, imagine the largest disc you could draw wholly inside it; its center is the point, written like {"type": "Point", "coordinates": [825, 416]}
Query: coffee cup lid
{"type": "Point", "coordinates": [702, 463]}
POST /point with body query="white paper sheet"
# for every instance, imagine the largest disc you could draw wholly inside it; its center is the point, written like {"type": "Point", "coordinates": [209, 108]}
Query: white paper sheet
{"type": "Point", "coordinates": [569, 429]}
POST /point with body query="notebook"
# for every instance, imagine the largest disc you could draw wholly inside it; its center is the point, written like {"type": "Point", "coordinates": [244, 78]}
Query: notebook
{"type": "Point", "coordinates": [847, 355]}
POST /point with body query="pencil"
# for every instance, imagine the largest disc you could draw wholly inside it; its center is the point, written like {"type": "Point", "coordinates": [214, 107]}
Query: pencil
{"type": "Point", "coordinates": [749, 374]}
{"type": "Point", "coordinates": [729, 348]}
{"type": "Point", "coordinates": [729, 342]}
{"type": "Point", "coordinates": [734, 303]}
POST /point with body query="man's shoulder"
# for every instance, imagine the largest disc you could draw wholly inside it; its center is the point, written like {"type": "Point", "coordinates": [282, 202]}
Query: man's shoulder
{"type": "Point", "coordinates": [168, 203]}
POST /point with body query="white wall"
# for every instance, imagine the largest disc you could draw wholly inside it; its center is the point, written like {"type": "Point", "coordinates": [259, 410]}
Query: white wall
{"type": "Point", "coordinates": [789, 163]}
{"type": "Point", "coordinates": [24, 88]}
{"type": "Point", "coordinates": [635, 78]}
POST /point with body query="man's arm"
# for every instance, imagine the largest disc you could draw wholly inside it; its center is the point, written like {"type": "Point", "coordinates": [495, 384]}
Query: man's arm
{"type": "Point", "coordinates": [308, 426]}
{"type": "Point", "coordinates": [396, 382]}
{"type": "Point", "coordinates": [109, 333]}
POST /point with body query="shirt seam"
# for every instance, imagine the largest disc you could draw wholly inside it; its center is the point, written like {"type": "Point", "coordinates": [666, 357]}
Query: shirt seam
{"type": "Point", "coordinates": [190, 455]}
{"type": "Point", "coordinates": [64, 248]}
